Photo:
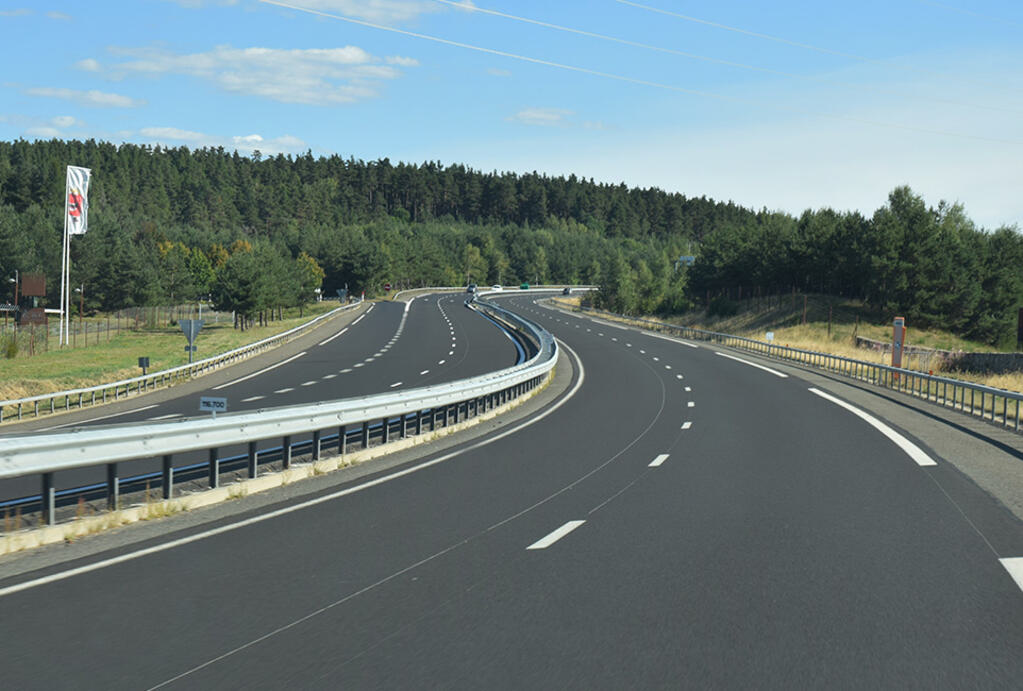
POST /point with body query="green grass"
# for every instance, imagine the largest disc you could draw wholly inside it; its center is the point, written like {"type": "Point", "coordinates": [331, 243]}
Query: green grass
{"type": "Point", "coordinates": [70, 368]}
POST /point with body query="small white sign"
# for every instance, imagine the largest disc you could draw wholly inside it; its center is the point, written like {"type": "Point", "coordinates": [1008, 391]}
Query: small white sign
{"type": "Point", "coordinates": [213, 405]}
{"type": "Point", "coordinates": [770, 337]}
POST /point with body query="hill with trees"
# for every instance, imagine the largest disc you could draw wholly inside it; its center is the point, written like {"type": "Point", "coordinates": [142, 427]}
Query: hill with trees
{"type": "Point", "coordinates": [168, 225]}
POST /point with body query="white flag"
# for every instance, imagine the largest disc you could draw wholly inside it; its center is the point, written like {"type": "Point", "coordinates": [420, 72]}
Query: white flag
{"type": "Point", "coordinates": [77, 205]}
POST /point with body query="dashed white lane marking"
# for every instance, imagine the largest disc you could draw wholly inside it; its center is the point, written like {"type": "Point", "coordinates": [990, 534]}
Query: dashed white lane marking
{"type": "Point", "coordinates": [331, 338]}
{"type": "Point", "coordinates": [614, 339]}
{"type": "Point", "coordinates": [911, 449]}
{"type": "Point", "coordinates": [1014, 566]}
{"type": "Point", "coordinates": [256, 374]}
{"type": "Point", "coordinates": [168, 417]}
{"type": "Point", "coordinates": [600, 334]}
{"type": "Point", "coordinates": [105, 417]}
{"type": "Point", "coordinates": [689, 388]}
{"type": "Point", "coordinates": [687, 424]}
{"type": "Point", "coordinates": [667, 367]}
{"type": "Point", "coordinates": [378, 354]}
{"type": "Point", "coordinates": [346, 370]}
{"type": "Point", "coordinates": [425, 371]}
{"type": "Point", "coordinates": [397, 383]}
{"type": "Point", "coordinates": [441, 362]}
{"type": "Point", "coordinates": [678, 376]}
{"type": "Point", "coordinates": [285, 390]}
{"type": "Point", "coordinates": [550, 539]}
{"type": "Point", "coordinates": [329, 376]}
{"type": "Point", "coordinates": [691, 404]}
{"type": "Point", "coordinates": [359, 364]}
{"type": "Point", "coordinates": [370, 359]}
{"type": "Point", "coordinates": [659, 460]}
{"type": "Point", "coordinates": [451, 352]}
{"type": "Point", "coordinates": [673, 340]}
{"type": "Point", "coordinates": [250, 399]}
{"type": "Point", "coordinates": [642, 352]}
{"type": "Point", "coordinates": [753, 364]}
{"type": "Point", "coordinates": [308, 383]}
{"type": "Point", "coordinates": [657, 359]}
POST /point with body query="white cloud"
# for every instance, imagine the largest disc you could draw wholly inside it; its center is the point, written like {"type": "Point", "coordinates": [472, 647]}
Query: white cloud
{"type": "Point", "coordinates": [544, 117]}
{"type": "Point", "coordinates": [402, 61]}
{"type": "Point", "coordinates": [64, 121]}
{"type": "Point", "coordinates": [58, 15]}
{"type": "Point", "coordinates": [174, 136]}
{"type": "Point", "coordinates": [91, 97]}
{"type": "Point", "coordinates": [384, 11]}
{"type": "Point", "coordinates": [19, 12]}
{"type": "Point", "coordinates": [88, 64]}
{"type": "Point", "coordinates": [316, 76]}
{"type": "Point", "coordinates": [43, 131]}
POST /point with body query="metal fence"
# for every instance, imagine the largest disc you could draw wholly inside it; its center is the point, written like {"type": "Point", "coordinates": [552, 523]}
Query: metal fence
{"type": "Point", "coordinates": [16, 409]}
{"type": "Point", "coordinates": [308, 429]}
{"type": "Point", "coordinates": [997, 406]}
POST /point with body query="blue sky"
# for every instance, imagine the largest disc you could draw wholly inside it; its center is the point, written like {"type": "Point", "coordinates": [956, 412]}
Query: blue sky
{"type": "Point", "coordinates": [786, 105]}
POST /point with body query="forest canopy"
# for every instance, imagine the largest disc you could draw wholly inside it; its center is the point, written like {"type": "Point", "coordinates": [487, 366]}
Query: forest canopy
{"type": "Point", "coordinates": [170, 225]}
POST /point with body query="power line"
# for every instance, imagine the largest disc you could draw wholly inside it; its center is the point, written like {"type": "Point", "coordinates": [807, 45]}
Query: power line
{"type": "Point", "coordinates": [971, 13]}
{"type": "Point", "coordinates": [630, 80]}
{"type": "Point", "coordinates": [797, 44]}
{"type": "Point", "coordinates": [718, 61]}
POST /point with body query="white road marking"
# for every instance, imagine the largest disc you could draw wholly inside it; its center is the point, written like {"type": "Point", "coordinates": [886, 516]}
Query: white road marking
{"type": "Point", "coordinates": [1014, 566]}
{"type": "Point", "coordinates": [250, 399]}
{"type": "Point", "coordinates": [256, 374]}
{"type": "Point", "coordinates": [441, 362]}
{"type": "Point", "coordinates": [667, 367]}
{"type": "Point", "coordinates": [628, 345]}
{"type": "Point", "coordinates": [551, 538]}
{"type": "Point", "coordinates": [689, 388]}
{"type": "Point", "coordinates": [691, 404]}
{"type": "Point", "coordinates": [425, 371]}
{"type": "Point", "coordinates": [659, 460]}
{"type": "Point", "coordinates": [285, 390]}
{"type": "Point", "coordinates": [668, 338]}
{"type": "Point", "coordinates": [329, 376]}
{"type": "Point", "coordinates": [346, 370]}
{"type": "Point", "coordinates": [331, 338]}
{"type": "Point", "coordinates": [397, 383]}
{"type": "Point", "coordinates": [678, 376]}
{"type": "Point", "coordinates": [378, 354]}
{"type": "Point", "coordinates": [614, 339]}
{"type": "Point", "coordinates": [657, 359]}
{"type": "Point", "coordinates": [361, 317]}
{"type": "Point", "coordinates": [599, 334]}
{"type": "Point", "coordinates": [167, 417]}
{"type": "Point", "coordinates": [911, 449]}
{"type": "Point", "coordinates": [687, 424]}
{"type": "Point", "coordinates": [369, 359]}
{"type": "Point", "coordinates": [359, 364]}
{"type": "Point", "coordinates": [308, 383]}
{"type": "Point", "coordinates": [105, 417]}
{"type": "Point", "coordinates": [642, 352]}
{"type": "Point", "coordinates": [753, 364]}
{"type": "Point", "coordinates": [451, 352]}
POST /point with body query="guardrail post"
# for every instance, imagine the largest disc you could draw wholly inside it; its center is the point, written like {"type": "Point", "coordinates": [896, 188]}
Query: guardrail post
{"type": "Point", "coordinates": [214, 481]}
{"type": "Point", "coordinates": [252, 460]}
{"type": "Point", "coordinates": [113, 487]}
{"type": "Point", "coordinates": [419, 422]}
{"type": "Point", "coordinates": [404, 425]}
{"type": "Point", "coordinates": [458, 411]}
{"type": "Point", "coordinates": [365, 435]}
{"type": "Point", "coordinates": [316, 445]}
{"type": "Point", "coordinates": [384, 427]}
{"type": "Point", "coordinates": [342, 440]}
{"type": "Point", "coordinates": [48, 500]}
{"type": "Point", "coordinates": [286, 451]}
{"type": "Point", "coordinates": [168, 476]}
{"type": "Point", "coordinates": [433, 419]}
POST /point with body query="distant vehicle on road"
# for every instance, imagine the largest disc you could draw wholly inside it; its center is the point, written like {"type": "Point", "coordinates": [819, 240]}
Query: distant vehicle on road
{"type": "Point", "coordinates": [495, 287]}
{"type": "Point", "coordinates": [566, 291]}
{"type": "Point", "coordinates": [524, 286]}
{"type": "Point", "coordinates": [471, 288]}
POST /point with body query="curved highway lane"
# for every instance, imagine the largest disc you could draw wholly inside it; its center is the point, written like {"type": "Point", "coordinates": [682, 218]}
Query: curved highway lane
{"type": "Point", "coordinates": [680, 518]}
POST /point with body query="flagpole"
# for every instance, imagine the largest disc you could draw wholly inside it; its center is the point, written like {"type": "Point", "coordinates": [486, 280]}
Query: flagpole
{"type": "Point", "coordinates": [63, 267]}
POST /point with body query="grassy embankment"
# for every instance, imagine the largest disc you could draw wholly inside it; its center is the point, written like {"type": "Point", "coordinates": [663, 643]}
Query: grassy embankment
{"type": "Point", "coordinates": [116, 359]}
{"type": "Point", "coordinates": [848, 319]}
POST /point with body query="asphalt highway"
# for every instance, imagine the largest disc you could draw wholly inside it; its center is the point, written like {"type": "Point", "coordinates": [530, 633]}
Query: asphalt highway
{"type": "Point", "coordinates": [679, 518]}
{"type": "Point", "coordinates": [392, 345]}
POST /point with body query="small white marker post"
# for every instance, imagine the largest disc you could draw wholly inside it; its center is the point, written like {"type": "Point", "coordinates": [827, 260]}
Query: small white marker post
{"type": "Point", "coordinates": [213, 405]}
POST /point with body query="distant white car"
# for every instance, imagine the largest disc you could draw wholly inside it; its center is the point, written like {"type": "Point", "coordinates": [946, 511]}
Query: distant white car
{"type": "Point", "coordinates": [495, 287]}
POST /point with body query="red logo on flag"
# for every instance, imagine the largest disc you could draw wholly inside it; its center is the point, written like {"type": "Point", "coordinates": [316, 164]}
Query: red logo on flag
{"type": "Point", "coordinates": [74, 204]}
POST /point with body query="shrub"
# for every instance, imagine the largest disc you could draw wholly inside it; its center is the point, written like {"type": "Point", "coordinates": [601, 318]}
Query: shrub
{"type": "Point", "coordinates": [722, 307]}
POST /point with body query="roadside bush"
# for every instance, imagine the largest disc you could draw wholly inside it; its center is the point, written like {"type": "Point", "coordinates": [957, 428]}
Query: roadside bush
{"type": "Point", "coordinates": [722, 307]}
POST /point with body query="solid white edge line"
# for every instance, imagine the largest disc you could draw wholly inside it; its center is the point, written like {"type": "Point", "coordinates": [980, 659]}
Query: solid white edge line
{"type": "Point", "coordinates": [262, 371]}
{"type": "Point", "coordinates": [1014, 566]}
{"type": "Point", "coordinates": [105, 417]}
{"type": "Point", "coordinates": [911, 449]}
{"type": "Point", "coordinates": [753, 364]}
{"type": "Point", "coordinates": [659, 460]}
{"type": "Point", "coordinates": [52, 578]}
{"type": "Point", "coordinates": [331, 338]}
{"type": "Point", "coordinates": [551, 538]}
{"type": "Point", "coordinates": [668, 338]}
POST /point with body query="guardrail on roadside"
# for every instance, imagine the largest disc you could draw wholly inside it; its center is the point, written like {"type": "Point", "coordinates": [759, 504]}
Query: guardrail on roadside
{"type": "Point", "coordinates": [361, 420]}
{"type": "Point", "coordinates": [947, 392]}
{"type": "Point", "coordinates": [78, 398]}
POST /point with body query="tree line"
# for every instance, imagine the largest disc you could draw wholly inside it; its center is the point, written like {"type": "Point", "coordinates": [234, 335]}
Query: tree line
{"type": "Point", "coordinates": [169, 225]}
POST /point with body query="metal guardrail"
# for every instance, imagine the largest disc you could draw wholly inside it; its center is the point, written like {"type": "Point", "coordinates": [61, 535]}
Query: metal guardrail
{"type": "Point", "coordinates": [363, 419]}
{"type": "Point", "coordinates": [93, 395]}
{"type": "Point", "coordinates": [998, 406]}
